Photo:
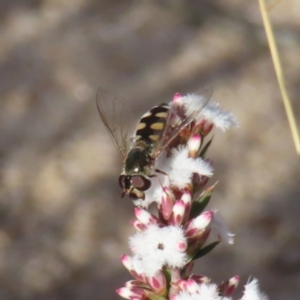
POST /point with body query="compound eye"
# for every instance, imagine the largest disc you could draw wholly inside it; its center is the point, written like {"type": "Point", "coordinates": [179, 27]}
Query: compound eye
{"type": "Point", "coordinates": [141, 183]}
{"type": "Point", "coordinates": [121, 181]}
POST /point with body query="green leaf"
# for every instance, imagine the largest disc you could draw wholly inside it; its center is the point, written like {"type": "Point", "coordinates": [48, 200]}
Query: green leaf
{"type": "Point", "coordinates": [206, 250]}
{"type": "Point", "coordinates": [201, 202]}
{"type": "Point", "coordinates": [205, 148]}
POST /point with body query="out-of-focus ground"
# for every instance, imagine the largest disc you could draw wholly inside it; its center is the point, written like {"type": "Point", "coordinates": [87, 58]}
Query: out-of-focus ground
{"type": "Point", "coordinates": [63, 225]}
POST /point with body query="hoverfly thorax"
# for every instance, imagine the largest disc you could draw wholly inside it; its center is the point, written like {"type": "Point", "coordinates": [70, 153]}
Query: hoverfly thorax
{"type": "Point", "coordinates": [137, 160]}
{"type": "Point", "coordinates": [154, 133]}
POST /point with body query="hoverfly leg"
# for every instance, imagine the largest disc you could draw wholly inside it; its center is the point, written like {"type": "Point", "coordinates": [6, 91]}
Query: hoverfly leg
{"type": "Point", "coordinates": [161, 172]}
{"type": "Point", "coordinates": [154, 175]}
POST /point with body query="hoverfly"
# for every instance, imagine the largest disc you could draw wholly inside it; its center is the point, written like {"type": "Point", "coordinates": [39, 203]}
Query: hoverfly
{"type": "Point", "coordinates": [154, 132]}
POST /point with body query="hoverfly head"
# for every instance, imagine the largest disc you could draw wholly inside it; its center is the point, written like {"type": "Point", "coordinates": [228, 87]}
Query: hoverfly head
{"type": "Point", "coordinates": [134, 185]}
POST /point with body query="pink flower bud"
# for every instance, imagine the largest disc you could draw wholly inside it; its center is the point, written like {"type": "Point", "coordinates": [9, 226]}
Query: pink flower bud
{"type": "Point", "coordinates": [194, 144]}
{"type": "Point", "coordinates": [228, 287]}
{"type": "Point", "coordinates": [134, 283]}
{"type": "Point", "coordinates": [208, 128]}
{"type": "Point", "coordinates": [138, 225]}
{"type": "Point", "coordinates": [145, 217]}
{"type": "Point", "coordinates": [127, 262]}
{"type": "Point", "coordinates": [192, 286]}
{"type": "Point", "coordinates": [187, 200]}
{"type": "Point", "coordinates": [138, 276]}
{"type": "Point", "coordinates": [177, 213]}
{"type": "Point", "coordinates": [167, 203]}
{"type": "Point", "coordinates": [131, 293]}
{"type": "Point", "coordinates": [177, 97]}
{"type": "Point", "coordinates": [234, 280]}
{"type": "Point", "coordinates": [182, 284]}
{"type": "Point", "coordinates": [205, 127]}
{"type": "Point", "coordinates": [197, 225]}
{"type": "Point", "coordinates": [200, 279]}
{"type": "Point", "coordinates": [158, 283]}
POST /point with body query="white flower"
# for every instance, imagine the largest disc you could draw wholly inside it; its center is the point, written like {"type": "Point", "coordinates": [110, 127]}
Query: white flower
{"type": "Point", "coordinates": [252, 291]}
{"type": "Point", "coordinates": [210, 112]}
{"type": "Point", "coordinates": [156, 247]}
{"type": "Point", "coordinates": [194, 101]}
{"type": "Point", "coordinates": [182, 167]}
{"type": "Point", "coordinates": [214, 114]}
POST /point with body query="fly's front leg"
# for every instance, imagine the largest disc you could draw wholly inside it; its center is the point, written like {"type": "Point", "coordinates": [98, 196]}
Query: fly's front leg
{"type": "Point", "coordinates": [160, 172]}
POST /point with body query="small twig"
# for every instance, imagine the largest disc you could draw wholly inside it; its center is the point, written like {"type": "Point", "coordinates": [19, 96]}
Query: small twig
{"type": "Point", "coordinates": [279, 74]}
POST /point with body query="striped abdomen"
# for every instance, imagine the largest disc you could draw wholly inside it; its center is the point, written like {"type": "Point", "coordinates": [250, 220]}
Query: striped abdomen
{"type": "Point", "coordinates": [152, 124]}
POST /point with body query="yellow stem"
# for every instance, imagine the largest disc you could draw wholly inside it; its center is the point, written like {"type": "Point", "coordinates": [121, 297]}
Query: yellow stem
{"type": "Point", "coordinates": [279, 74]}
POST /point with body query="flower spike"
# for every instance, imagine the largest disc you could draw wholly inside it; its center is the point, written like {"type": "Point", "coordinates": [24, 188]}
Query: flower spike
{"type": "Point", "coordinates": [178, 230]}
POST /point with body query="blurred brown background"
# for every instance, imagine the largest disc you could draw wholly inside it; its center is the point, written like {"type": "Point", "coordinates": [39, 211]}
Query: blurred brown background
{"type": "Point", "coordinates": [63, 225]}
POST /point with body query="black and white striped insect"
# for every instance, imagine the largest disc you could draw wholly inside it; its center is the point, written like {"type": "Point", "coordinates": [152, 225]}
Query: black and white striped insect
{"type": "Point", "coordinates": [154, 132]}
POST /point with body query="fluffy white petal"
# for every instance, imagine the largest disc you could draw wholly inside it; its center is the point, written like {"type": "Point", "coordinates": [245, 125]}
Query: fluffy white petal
{"type": "Point", "coordinates": [156, 247]}
{"type": "Point", "coordinates": [191, 101]}
{"type": "Point", "coordinates": [221, 118]}
{"type": "Point", "coordinates": [182, 167]}
{"type": "Point", "coordinates": [252, 291]}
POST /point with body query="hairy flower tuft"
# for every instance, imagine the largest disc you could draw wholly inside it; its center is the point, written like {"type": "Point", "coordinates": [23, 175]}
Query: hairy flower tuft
{"type": "Point", "coordinates": [156, 247]}
{"type": "Point", "coordinates": [252, 291]}
{"type": "Point", "coordinates": [182, 167]}
{"type": "Point", "coordinates": [220, 118]}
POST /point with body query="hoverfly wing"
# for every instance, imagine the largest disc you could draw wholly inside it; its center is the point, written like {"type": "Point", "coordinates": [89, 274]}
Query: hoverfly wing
{"type": "Point", "coordinates": [191, 111]}
{"type": "Point", "coordinates": [114, 115]}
